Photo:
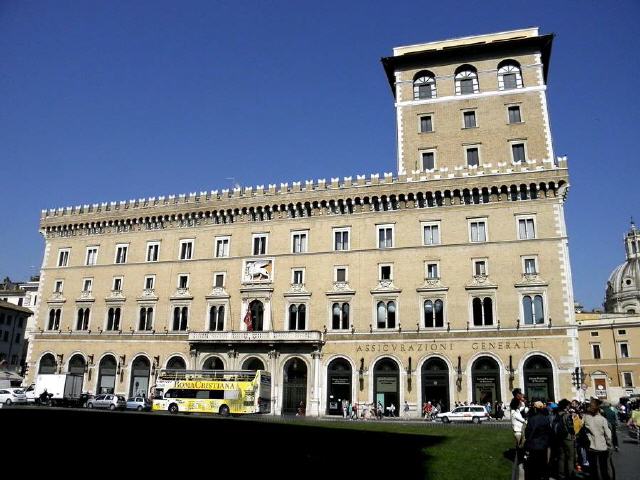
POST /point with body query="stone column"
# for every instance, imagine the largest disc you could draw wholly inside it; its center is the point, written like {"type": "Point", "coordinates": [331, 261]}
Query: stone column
{"type": "Point", "coordinates": [275, 381]}
{"type": "Point", "coordinates": [316, 389]}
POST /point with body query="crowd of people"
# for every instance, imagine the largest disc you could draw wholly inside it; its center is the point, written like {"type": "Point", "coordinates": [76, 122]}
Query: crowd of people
{"type": "Point", "coordinates": [570, 438]}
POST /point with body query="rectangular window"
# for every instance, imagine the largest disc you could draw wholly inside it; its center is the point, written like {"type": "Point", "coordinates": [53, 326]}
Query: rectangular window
{"type": "Point", "coordinates": [480, 267]}
{"type": "Point", "coordinates": [518, 152]}
{"type": "Point", "coordinates": [299, 242]}
{"type": "Point", "coordinates": [385, 272]}
{"type": "Point", "coordinates": [222, 246]}
{"type": "Point", "coordinates": [121, 253]}
{"type": "Point", "coordinates": [385, 236]}
{"type": "Point", "coordinates": [627, 379]}
{"type": "Point", "coordinates": [466, 86]}
{"type": "Point", "coordinates": [341, 274]}
{"type": "Point", "coordinates": [92, 256]}
{"type": "Point", "coordinates": [186, 249]}
{"type": "Point", "coordinates": [218, 280]}
{"type": "Point", "coordinates": [596, 351]}
{"type": "Point", "coordinates": [87, 284]}
{"type": "Point", "coordinates": [425, 91]}
{"type": "Point", "coordinates": [58, 288]}
{"type": "Point", "coordinates": [514, 114]}
{"type": "Point", "coordinates": [153, 251]}
{"type": "Point", "coordinates": [117, 284]}
{"type": "Point", "coordinates": [63, 257]}
{"type": "Point", "coordinates": [478, 231]}
{"type": "Point", "coordinates": [426, 124]}
{"type": "Point", "coordinates": [432, 271]}
{"type": "Point", "coordinates": [526, 229]}
{"type": "Point", "coordinates": [469, 119]}
{"type": "Point", "coordinates": [260, 244]}
{"type": "Point", "coordinates": [341, 239]}
{"type": "Point", "coordinates": [297, 276]}
{"type": "Point", "coordinates": [431, 234]}
{"type": "Point", "coordinates": [624, 350]}
{"type": "Point", "coordinates": [149, 282]}
{"type": "Point", "coordinates": [183, 281]}
{"type": "Point", "coordinates": [473, 158]}
{"type": "Point", "coordinates": [594, 334]}
{"type": "Point", "coordinates": [622, 332]}
{"type": "Point", "coordinates": [530, 266]}
{"type": "Point", "coordinates": [509, 81]}
{"type": "Point", "coordinates": [428, 161]}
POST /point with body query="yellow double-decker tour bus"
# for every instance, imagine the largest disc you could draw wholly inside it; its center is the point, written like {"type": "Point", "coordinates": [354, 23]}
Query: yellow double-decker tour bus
{"type": "Point", "coordinates": [213, 391]}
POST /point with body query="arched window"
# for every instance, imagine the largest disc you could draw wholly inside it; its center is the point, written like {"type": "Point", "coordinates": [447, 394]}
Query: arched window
{"type": "Point", "coordinates": [533, 310]}
{"type": "Point", "coordinates": [82, 322]}
{"type": "Point", "coordinates": [482, 309]}
{"type": "Point", "coordinates": [176, 363]}
{"type": "Point", "coordinates": [54, 319]}
{"type": "Point", "coordinates": [433, 314]}
{"type": "Point", "coordinates": [216, 318]}
{"type": "Point", "coordinates": [297, 316]}
{"type": "Point", "coordinates": [213, 363]}
{"type": "Point", "coordinates": [340, 316]}
{"type": "Point", "coordinates": [47, 365]}
{"type": "Point", "coordinates": [113, 319]}
{"type": "Point", "coordinates": [180, 318]}
{"type": "Point", "coordinates": [466, 79]}
{"type": "Point", "coordinates": [146, 318]}
{"type": "Point", "coordinates": [509, 75]}
{"type": "Point", "coordinates": [424, 86]}
{"type": "Point", "coordinates": [386, 314]}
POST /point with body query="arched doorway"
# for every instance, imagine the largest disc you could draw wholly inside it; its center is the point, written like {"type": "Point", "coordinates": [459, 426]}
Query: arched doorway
{"type": "Point", "coordinates": [485, 374]}
{"type": "Point", "coordinates": [257, 315]}
{"type": "Point", "coordinates": [338, 385]}
{"type": "Point", "coordinates": [538, 379]}
{"type": "Point", "coordinates": [294, 386]}
{"type": "Point", "coordinates": [253, 363]}
{"type": "Point", "coordinates": [176, 363]}
{"type": "Point", "coordinates": [77, 365]}
{"type": "Point", "coordinates": [435, 382]}
{"type": "Point", "coordinates": [213, 363]}
{"type": "Point", "coordinates": [107, 375]}
{"type": "Point", "coordinates": [140, 372]}
{"type": "Point", "coordinates": [48, 365]}
{"type": "Point", "coordinates": [386, 384]}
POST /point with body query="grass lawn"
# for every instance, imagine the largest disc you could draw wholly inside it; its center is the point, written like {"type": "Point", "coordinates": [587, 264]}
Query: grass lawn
{"type": "Point", "coordinates": [451, 452]}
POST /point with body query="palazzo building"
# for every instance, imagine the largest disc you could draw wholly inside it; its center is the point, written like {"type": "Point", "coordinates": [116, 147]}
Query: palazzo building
{"type": "Point", "coordinates": [446, 281]}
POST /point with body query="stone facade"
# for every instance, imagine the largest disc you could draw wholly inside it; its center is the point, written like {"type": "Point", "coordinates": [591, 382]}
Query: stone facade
{"type": "Point", "coordinates": [446, 284]}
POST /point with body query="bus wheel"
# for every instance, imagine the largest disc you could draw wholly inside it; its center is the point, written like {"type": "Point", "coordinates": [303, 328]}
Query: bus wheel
{"type": "Point", "coordinates": [173, 408]}
{"type": "Point", "coordinates": [224, 411]}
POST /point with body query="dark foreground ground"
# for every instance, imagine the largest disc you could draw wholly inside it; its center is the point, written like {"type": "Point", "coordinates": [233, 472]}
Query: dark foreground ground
{"type": "Point", "coordinates": [99, 442]}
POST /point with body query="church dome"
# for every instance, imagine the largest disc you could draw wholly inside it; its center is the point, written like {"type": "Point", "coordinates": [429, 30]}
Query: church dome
{"type": "Point", "coordinates": [623, 287]}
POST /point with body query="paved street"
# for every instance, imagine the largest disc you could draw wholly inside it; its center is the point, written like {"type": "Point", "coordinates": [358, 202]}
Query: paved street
{"type": "Point", "coordinates": [627, 459]}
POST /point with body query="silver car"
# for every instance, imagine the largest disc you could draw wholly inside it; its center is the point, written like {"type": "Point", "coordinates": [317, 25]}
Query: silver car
{"type": "Point", "coordinates": [12, 395]}
{"type": "Point", "coordinates": [139, 404]}
{"type": "Point", "coordinates": [109, 400]}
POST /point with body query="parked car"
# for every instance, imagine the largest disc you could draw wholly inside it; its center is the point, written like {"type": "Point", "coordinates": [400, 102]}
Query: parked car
{"type": "Point", "coordinates": [138, 403]}
{"type": "Point", "coordinates": [109, 400]}
{"type": "Point", "coordinates": [9, 396]}
{"type": "Point", "coordinates": [471, 413]}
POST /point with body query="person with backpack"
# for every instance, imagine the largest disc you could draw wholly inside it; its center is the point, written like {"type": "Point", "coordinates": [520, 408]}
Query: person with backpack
{"type": "Point", "coordinates": [537, 442]}
{"type": "Point", "coordinates": [564, 437]}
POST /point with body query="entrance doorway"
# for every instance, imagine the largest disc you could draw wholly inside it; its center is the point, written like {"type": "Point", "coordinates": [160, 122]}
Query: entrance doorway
{"type": "Point", "coordinates": [338, 385]}
{"type": "Point", "coordinates": [140, 371]}
{"type": "Point", "coordinates": [435, 383]}
{"type": "Point", "coordinates": [485, 374]}
{"type": "Point", "coordinates": [107, 375]}
{"type": "Point", "coordinates": [386, 384]}
{"type": "Point", "coordinates": [538, 379]}
{"type": "Point", "coordinates": [294, 387]}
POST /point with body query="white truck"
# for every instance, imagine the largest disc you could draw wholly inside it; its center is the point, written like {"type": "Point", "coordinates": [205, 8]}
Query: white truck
{"type": "Point", "coordinates": [64, 389]}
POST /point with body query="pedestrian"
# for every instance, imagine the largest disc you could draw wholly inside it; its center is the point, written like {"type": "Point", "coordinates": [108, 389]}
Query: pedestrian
{"type": "Point", "coordinates": [380, 411]}
{"type": "Point", "coordinates": [518, 423]}
{"type": "Point", "coordinates": [563, 443]}
{"type": "Point", "coordinates": [538, 439]}
{"type": "Point", "coordinates": [406, 409]}
{"type": "Point", "coordinates": [349, 410]}
{"type": "Point", "coordinates": [354, 409]}
{"type": "Point", "coordinates": [610, 414]}
{"type": "Point", "coordinates": [392, 410]}
{"type": "Point", "coordinates": [424, 410]}
{"type": "Point", "coordinates": [599, 434]}
{"type": "Point", "coordinates": [344, 408]}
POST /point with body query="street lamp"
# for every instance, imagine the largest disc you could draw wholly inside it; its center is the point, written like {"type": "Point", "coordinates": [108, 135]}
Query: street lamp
{"type": "Point", "coordinates": [361, 374]}
{"type": "Point", "coordinates": [409, 372]}
{"type": "Point", "coordinates": [459, 374]}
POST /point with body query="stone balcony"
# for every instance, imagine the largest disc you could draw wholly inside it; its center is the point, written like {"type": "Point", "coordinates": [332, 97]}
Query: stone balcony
{"type": "Point", "coordinates": [268, 337]}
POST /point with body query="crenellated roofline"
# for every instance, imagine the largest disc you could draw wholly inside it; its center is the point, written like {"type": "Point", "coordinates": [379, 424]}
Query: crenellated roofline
{"type": "Point", "coordinates": [418, 190]}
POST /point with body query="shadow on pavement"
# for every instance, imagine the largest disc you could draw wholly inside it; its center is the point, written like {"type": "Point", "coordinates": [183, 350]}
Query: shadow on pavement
{"type": "Point", "coordinates": [241, 447]}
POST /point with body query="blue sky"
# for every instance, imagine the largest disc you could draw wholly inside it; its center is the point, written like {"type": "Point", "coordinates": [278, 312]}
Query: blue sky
{"type": "Point", "coordinates": [114, 100]}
